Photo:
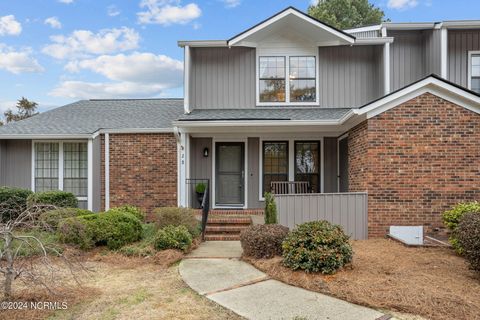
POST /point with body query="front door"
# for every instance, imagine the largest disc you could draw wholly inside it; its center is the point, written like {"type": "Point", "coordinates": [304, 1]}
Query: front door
{"type": "Point", "coordinates": [229, 174]}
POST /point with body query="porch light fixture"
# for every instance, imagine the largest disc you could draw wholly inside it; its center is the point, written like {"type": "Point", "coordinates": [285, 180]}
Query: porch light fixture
{"type": "Point", "coordinates": [205, 152]}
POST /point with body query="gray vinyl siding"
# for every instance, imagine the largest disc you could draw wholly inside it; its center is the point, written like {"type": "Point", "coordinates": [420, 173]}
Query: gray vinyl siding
{"type": "Point", "coordinates": [366, 34]}
{"type": "Point", "coordinates": [330, 183]}
{"type": "Point", "coordinates": [433, 63]}
{"type": "Point", "coordinates": [16, 163]}
{"type": "Point", "coordinates": [200, 166]}
{"type": "Point", "coordinates": [459, 43]}
{"type": "Point", "coordinates": [253, 174]}
{"type": "Point", "coordinates": [349, 76]}
{"type": "Point", "coordinates": [97, 178]}
{"type": "Point", "coordinates": [222, 78]}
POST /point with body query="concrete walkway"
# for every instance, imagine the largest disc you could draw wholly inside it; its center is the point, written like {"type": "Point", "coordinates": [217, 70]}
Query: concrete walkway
{"type": "Point", "coordinates": [215, 271]}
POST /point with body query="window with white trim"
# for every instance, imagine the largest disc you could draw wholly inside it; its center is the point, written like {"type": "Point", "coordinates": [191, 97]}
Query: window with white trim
{"type": "Point", "coordinates": [62, 166]}
{"type": "Point", "coordinates": [475, 72]}
{"type": "Point", "coordinates": [275, 87]}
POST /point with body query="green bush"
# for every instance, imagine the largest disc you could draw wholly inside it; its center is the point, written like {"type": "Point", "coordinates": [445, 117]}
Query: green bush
{"type": "Point", "coordinates": [77, 231]}
{"type": "Point", "coordinates": [317, 246]}
{"type": "Point", "coordinates": [137, 212]}
{"type": "Point", "coordinates": [173, 237]}
{"type": "Point", "coordinates": [173, 216]}
{"type": "Point", "coordinates": [263, 241]}
{"type": "Point", "coordinates": [270, 209]}
{"type": "Point", "coordinates": [468, 235]}
{"type": "Point", "coordinates": [143, 248]}
{"type": "Point", "coordinates": [13, 201]}
{"type": "Point", "coordinates": [452, 217]}
{"type": "Point", "coordinates": [52, 218]}
{"type": "Point", "coordinates": [60, 199]}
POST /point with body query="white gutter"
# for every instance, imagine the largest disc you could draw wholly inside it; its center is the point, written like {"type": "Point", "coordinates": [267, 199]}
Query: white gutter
{"type": "Point", "coordinates": [364, 29]}
{"type": "Point", "coordinates": [132, 130]}
{"type": "Point", "coordinates": [203, 43]}
{"type": "Point", "coordinates": [373, 41]}
{"type": "Point", "coordinates": [45, 136]}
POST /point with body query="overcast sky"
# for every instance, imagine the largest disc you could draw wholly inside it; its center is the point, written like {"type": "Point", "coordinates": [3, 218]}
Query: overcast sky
{"type": "Point", "coordinates": [58, 51]}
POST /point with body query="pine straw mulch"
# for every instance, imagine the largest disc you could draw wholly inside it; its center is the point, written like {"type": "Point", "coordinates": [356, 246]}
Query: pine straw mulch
{"type": "Point", "coordinates": [431, 282]}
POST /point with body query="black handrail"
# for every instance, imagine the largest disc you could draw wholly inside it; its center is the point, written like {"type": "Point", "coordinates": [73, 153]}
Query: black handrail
{"type": "Point", "coordinates": [205, 209]}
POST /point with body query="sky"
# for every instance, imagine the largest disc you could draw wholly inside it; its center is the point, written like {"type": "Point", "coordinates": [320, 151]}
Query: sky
{"type": "Point", "coordinates": [55, 52]}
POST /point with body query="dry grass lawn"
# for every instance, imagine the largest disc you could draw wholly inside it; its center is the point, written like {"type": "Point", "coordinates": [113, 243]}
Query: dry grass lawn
{"type": "Point", "coordinates": [431, 282]}
{"type": "Point", "coordinates": [127, 288]}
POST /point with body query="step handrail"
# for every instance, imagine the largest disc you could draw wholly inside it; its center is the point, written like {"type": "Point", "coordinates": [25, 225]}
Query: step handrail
{"type": "Point", "coordinates": [205, 209]}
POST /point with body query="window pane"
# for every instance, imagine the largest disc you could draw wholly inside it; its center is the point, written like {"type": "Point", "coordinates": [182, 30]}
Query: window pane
{"type": "Point", "coordinates": [272, 90]}
{"type": "Point", "coordinates": [75, 171]}
{"type": "Point", "coordinates": [476, 85]}
{"type": "Point", "coordinates": [302, 67]}
{"type": "Point", "coordinates": [46, 166]}
{"type": "Point", "coordinates": [307, 163]}
{"type": "Point", "coordinates": [302, 90]}
{"type": "Point", "coordinates": [275, 163]}
{"type": "Point", "coordinates": [272, 68]}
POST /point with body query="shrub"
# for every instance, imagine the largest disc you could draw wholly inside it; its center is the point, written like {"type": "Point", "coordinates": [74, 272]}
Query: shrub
{"type": "Point", "coordinates": [452, 217]}
{"type": "Point", "coordinates": [77, 231]}
{"type": "Point", "coordinates": [53, 217]}
{"type": "Point", "coordinates": [137, 212]}
{"type": "Point", "coordinates": [173, 216]}
{"type": "Point", "coordinates": [200, 187]}
{"type": "Point", "coordinates": [13, 201]}
{"type": "Point", "coordinates": [317, 246]}
{"type": "Point", "coordinates": [468, 235]}
{"type": "Point", "coordinates": [60, 199]}
{"type": "Point", "coordinates": [173, 237]}
{"type": "Point", "coordinates": [270, 209]}
{"type": "Point", "coordinates": [263, 241]}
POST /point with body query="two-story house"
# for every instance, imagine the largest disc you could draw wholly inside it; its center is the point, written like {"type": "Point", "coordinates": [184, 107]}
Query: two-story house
{"type": "Point", "coordinates": [391, 110]}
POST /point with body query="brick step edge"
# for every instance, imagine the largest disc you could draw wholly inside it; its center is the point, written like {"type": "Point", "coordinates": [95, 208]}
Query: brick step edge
{"type": "Point", "coordinates": [247, 212]}
{"type": "Point", "coordinates": [222, 237]}
{"type": "Point", "coordinates": [212, 229]}
{"type": "Point", "coordinates": [213, 220]}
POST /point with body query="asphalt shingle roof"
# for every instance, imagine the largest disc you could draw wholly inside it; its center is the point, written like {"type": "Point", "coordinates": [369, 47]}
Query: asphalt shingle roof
{"type": "Point", "coordinates": [88, 116]}
{"type": "Point", "coordinates": [266, 113]}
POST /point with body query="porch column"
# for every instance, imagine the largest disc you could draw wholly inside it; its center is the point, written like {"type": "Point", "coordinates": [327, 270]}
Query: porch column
{"type": "Point", "coordinates": [183, 167]}
{"type": "Point", "coordinates": [90, 174]}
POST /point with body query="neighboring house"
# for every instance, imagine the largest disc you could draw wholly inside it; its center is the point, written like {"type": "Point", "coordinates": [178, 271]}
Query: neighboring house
{"type": "Point", "coordinates": [290, 99]}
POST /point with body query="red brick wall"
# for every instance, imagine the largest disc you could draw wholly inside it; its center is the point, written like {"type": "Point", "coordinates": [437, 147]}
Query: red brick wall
{"type": "Point", "coordinates": [421, 158]}
{"type": "Point", "coordinates": [143, 170]}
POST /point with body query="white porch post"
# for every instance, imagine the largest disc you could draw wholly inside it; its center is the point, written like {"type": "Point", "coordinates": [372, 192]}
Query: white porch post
{"type": "Point", "coordinates": [386, 64]}
{"type": "Point", "coordinates": [183, 163]}
{"type": "Point", "coordinates": [107, 171]}
{"type": "Point", "coordinates": [444, 53]}
{"type": "Point", "coordinates": [90, 173]}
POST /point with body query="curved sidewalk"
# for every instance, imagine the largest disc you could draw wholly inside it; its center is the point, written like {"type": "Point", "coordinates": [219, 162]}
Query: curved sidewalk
{"type": "Point", "coordinates": [215, 271]}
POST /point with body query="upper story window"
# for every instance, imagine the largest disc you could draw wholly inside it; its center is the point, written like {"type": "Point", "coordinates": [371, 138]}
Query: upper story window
{"type": "Point", "coordinates": [475, 72]}
{"type": "Point", "coordinates": [300, 87]}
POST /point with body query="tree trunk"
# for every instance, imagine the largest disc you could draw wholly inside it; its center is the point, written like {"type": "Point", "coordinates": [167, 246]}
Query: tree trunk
{"type": "Point", "coordinates": [9, 275]}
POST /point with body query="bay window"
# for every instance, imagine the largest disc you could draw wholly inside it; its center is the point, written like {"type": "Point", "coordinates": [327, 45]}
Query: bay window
{"type": "Point", "coordinates": [62, 166]}
{"type": "Point", "coordinates": [299, 87]}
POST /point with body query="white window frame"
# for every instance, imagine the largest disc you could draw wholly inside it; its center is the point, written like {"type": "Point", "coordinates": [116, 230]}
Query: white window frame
{"type": "Point", "coordinates": [470, 54]}
{"type": "Point", "coordinates": [60, 166]}
{"type": "Point", "coordinates": [287, 56]}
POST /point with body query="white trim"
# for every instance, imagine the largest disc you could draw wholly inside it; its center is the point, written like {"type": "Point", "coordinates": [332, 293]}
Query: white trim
{"type": "Point", "coordinates": [287, 56]}
{"type": "Point", "coordinates": [202, 43]}
{"type": "Point", "coordinates": [90, 173]}
{"type": "Point", "coordinates": [60, 166]}
{"type": "Point", "coordinates": [408, 25]}
{"type": "Point", "coordinates": [373, 41]}
{"type": "Point", "coordinates": [186, 79]}
{"type": "Point", "coordinates": [470, 53]}
{"type": "Point", "coordinates": [281, 15]}
{"type": "Point", "coordinates": [182, 181]}
{"type": "Point", "coordinates": [32, 186]}
{"type": "Point", "coordinates": [132, 130]}
{"type": "Point", "coordinates": [322, 165]}
{"type": "Point", "coordinates": [344, 136]}
{"type": "Point", "coordinates": [216, 140]}
{"type": "Point", "coordinates": [386, 64]}
{"type": "Point", "coordinates": [364, 29]}
{"type": "Point", "coordinates": [107, 171]}
{"type": "Point", "coordinates": [444, 53]}
{"type": "Point", "coordinates": [45, 136]}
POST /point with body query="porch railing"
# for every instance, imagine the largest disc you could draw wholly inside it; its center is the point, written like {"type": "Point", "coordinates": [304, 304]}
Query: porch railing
{"type": "Point", "coordinates": [200, 200]}
{"type": "Point", "coordinates": [290, 187]}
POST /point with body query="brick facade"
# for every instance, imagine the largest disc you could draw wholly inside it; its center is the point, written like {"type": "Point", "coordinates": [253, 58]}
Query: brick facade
{"type": "Point", "coordinates": [143, 170]}
{"type": "Point", "coordinates": [415, 161]}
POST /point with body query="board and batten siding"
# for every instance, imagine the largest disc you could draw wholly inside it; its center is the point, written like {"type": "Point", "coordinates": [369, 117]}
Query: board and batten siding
{"type": "Point", "coordinates": [349, 76]}
{"type": "Point", "coordinates": [349, 210]}
{"type": "Point", "coordinates": [433, 47]}
{"type": "Point", "coordinates": [16, 163]}
{"type": "Point", "coordinates": [200, 166]}
{"type": "Point", "coordinates": [222, 78]}
{"type": "Point", "coordinates": [460, 42]}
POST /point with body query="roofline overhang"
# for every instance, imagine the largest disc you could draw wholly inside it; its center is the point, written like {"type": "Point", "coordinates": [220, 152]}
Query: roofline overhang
{"type": "Point", "coordinates": [44, 136]}
{"type": "Point", "coordinates": [373, 41]}
{"type": "Point", "coordinates": [202, 43]}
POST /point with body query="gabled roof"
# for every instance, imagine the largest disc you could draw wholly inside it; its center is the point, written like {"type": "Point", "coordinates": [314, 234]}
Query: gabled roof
{"type": "Point", "coordinates": [83, 118]}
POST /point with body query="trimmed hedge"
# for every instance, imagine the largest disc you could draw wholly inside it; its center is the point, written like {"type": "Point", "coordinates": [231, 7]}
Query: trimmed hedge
{"type": "Point", "coordinates": [452, 217]}
{"type": "Point", "coordinates": [52, 218]}
{"type": "Point", "coordinates": [468, 235]}
{"type": "Point", "coordinates": [174, 216]}
{"type": "Point", "coordinates": [113, 229]}
{"type": "Point", "coordinates": [137, 212]}
{"type": "Point", "coordinates": [317, 246]}
{"type": "Point", "coordinates": [13, 201]}
{"type": "Point", "coordinates": [173, 237]}
{"type": "Point", "coordinates": [263, 241]}
{"type": "Point", "coordinates": [59, 199]}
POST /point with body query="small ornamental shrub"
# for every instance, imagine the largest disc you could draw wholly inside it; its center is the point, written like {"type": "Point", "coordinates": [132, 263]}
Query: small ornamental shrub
{"type": "Point", "coordinates": [13, 201]}
{"type": "Point", "coordinates": [200, 187]}
{"type": "Point", "coordinates": [263, 241]}
{"type": "Point", "coordinates": [174, 216]}
{"type": "Point", "coordinates": [468, 235]}
{"type": "Point", "coordinates": [317, 246]}
{"type": "Point", "coordinates": [60, 199]}
{"type": "Point", "coordinates": [76, 231]}
{"type": "Point", "coordinates": [137, 212]}
{"type": "Point", "coordinates": [270, 209]}
{"type": "Point", "coordinates": [452, 217]}
{"type": "Point", "coordinates": [52, 218]}
{"type": "Point", "coordinates": [173, 237]}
